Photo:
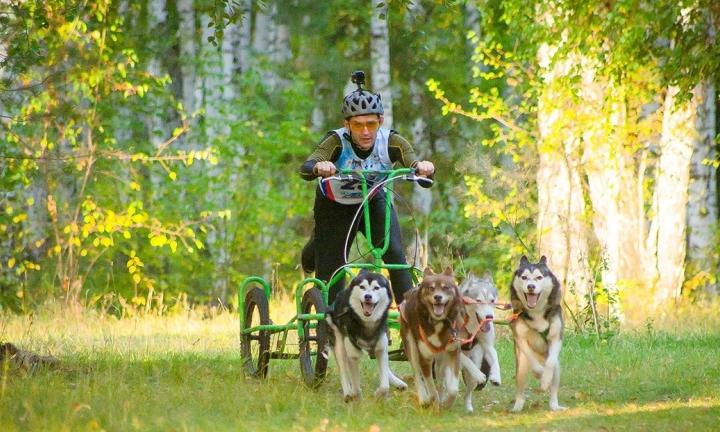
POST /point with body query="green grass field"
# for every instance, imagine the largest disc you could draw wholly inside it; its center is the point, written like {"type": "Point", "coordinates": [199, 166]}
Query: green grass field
{"type": "Point", "coordinates": [184, 373]}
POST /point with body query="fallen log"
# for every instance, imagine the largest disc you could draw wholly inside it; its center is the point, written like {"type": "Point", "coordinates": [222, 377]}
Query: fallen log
{"type": "Point", "coordinates": [25, 359]}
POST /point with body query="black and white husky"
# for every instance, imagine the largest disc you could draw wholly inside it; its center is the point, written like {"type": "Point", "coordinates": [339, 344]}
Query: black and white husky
{"type": "Point", "coordinates": [479, 298]}
{"type": "Point", "coordinates": [358, 319]}
{"type": "Point", "coordinates": [537, 327]}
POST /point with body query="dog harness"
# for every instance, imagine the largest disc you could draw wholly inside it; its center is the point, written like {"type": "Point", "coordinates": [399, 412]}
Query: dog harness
{"type": "Point", "coordinates": [517, 315]}
{"type": "Point", "coordinates": [453, 332]}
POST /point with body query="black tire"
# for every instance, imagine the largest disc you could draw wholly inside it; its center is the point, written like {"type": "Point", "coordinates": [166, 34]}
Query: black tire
{"type": "Point", "coordinates": [255, 347]}
{"type": "Point", "coordinates": [313, 358]}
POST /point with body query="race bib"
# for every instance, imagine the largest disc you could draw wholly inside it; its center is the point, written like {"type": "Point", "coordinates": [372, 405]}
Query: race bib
{"type": "Point", "coordinates": [346, 190]}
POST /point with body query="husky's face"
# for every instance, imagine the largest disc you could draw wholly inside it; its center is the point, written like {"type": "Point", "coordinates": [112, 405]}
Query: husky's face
{"type": "Point", "coordinates": [439, 293]}
{"type": "Point", "coordinates": [532, 282]}
{"type": "Point", "coordinates": [483, 292]}
{"type": "Point", "coordinates": [370, 295]}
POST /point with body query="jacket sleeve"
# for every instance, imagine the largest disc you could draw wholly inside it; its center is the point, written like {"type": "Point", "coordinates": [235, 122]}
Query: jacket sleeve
{"type": "Point", "coordinates": [327, 150]}
{"type": "Point", "coordinates": [402, 152]}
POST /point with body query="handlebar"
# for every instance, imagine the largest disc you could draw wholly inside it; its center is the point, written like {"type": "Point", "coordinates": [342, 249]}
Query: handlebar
{"type": "Point", "coordinates": [402, 173]}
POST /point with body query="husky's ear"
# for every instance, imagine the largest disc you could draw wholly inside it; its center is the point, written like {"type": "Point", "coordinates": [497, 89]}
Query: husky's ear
{"type": "Point", "coordinates": [428, 271]}
{"type": "Point", "coordinates": [487, 276]}
{"type": "Point", "coordinates": [363, 272]}
{"type": "Point", "coordinates": [448, 271]}
{"type": "Point", "coordinates": [543, 260]}
{"type": "Point", "coordinates": [524, 261]}
{"type": "Point", "coordinates": [469, 275]}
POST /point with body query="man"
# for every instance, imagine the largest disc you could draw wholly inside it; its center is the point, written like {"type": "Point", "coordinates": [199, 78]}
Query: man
{"type": "Point", "coordinates": [361, 145]}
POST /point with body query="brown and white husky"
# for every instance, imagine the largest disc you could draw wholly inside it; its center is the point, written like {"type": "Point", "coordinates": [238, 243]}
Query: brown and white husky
{"type": "Point", "coordinates": [430, 317]}
{"type": "Point", "coordinates": [537, 327]}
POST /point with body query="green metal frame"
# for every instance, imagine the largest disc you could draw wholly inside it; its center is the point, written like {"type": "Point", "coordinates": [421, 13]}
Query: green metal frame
{"type": "Point", "coordinates": [297, 322]}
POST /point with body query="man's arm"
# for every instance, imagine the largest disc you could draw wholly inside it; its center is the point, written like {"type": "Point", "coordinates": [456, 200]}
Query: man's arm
{"type": "Point", "coordinates": [328, 150]}
{"type": "Point", "coordinates": [402, 151]}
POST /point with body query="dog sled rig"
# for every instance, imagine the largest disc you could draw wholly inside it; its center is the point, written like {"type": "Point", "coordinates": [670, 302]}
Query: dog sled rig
{"type": "Point", "coordinates": [311, 294]}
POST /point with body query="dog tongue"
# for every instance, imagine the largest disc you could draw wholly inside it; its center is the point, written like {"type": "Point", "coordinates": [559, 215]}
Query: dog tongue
{"type": "Point", "coordinates": [485, 327]}
{"type": "Point", "coordinates": [438, 309]}
{"type": "Point", "coordinates": [532, 300]}
{"type": "Point", "coordinates": [368, 308]}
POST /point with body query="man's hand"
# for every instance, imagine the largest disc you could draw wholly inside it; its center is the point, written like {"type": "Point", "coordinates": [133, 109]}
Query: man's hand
{"type": "Point", "coordinates": [324, 169]}
{"type": "Point", "coordinates": [424, 168]}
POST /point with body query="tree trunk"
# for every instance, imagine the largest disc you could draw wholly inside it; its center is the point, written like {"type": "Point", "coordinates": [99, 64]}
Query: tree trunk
{"type": "Point", "coordinates": [380, 56]}
{"type": "Point", "coordinates": [186, 39]}
{"type": "Point", "coordinates": [562, 232]}
{"type": "Point", "coordinates": [157, 18]}
{"type": "Point", "coordinates": [244, 37]}
{"type": "Point", "coordinates": [702, 210]}
{"type": "Point", "coordinates": [677, 142]}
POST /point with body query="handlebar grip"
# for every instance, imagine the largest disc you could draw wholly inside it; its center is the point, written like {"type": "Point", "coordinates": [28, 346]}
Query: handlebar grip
{"type": "Point", "coordinates": [422, 181]}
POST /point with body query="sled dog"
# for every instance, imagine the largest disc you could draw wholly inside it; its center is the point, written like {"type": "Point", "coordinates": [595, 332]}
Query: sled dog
{"type": "Point", "coordinates": [537, 327]}
{"type": "Point", "coordinates": [479, 299]}
{"type": "Point", "coordinates": [358, 319]}
{"type": "Point", "coordinates": [430, 318]}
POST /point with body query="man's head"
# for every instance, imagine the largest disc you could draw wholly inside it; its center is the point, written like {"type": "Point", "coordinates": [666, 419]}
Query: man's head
{"type": "Point", "coordinates": [363, 112]}
{"type": "Point", "coordinates": [364, 129]}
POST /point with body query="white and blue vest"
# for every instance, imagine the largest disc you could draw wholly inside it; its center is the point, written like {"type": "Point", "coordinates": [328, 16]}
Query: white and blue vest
{"type": "Point", "coordinates": [350, 192]}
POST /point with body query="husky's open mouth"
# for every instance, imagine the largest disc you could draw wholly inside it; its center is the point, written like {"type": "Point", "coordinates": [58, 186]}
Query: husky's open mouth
{"type": "Point", "coordinates": [485, 327]}
{"type": "Point", "coordinates": [439, 308]}
{"type": "Point", "coordinates": [368, 308]}
{"type": "Point", "coordinates": [531, 299]}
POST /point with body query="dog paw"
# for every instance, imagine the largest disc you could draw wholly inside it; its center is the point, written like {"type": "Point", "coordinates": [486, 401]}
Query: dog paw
{"type": "Point", "coordinates": [400, 385]}
{"type": "Point", "coordinates": [496, 381]}
{"type": "Point", "coordinates": [351, 397]}
{"type": "Point", "coordinates": [557, 407]}
{"type": "Point", "coordinates": [518, 406]}
{"type": "Point", "coordinates": [382, 392]}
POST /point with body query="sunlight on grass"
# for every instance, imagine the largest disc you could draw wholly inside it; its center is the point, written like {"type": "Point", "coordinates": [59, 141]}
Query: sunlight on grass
{"type": "Point", "coordinates": [183, 372]}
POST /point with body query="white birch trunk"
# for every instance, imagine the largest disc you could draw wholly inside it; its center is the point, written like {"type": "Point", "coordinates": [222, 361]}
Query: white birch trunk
{"type": "Point", "coordinates": [380, 57]}
{"type": "Point", "coordinates": [702, 210]}
{"type": "Point", "coordinates": [671, 194]}
{"type": "Point", "coordinates": [186, 38]}
{"type": "Point", "coordinates": [157, 17]}
{"type": "Point", "coordinates": [244, 37]}
{"type": "Point", "coordinates": [562, 232]}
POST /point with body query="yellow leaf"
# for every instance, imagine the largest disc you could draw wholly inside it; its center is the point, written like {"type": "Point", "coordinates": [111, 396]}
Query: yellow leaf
{"type": "Point", "coordinates": [96, 242]}
{"type": "Point", "coordinates": [136, 278]}
{"type": "Point", "coordinates": [132, 269]}
{"type": "Point", "coordinates": [57, 248]}
{"type": "Point", "coordinates": [11, 263]}
{"type": "Point", "coordinates": [173, 246]}
{"type": "Point", "coordinates": [30, 201]}
{"type": "Point", "coordinates": [134, 186]}
{"type": "Point", "coordinates": [106, 241]}
{"type": "Point", "coordinates": [172, 175]}
{"type": "Point", "coordinates": [126, 234]}
{"type": "Point", "coordinates": [83, 252]}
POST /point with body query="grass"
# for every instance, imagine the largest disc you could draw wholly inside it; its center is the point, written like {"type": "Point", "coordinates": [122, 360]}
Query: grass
{"type": "Point", "coordinates": [184, 373]}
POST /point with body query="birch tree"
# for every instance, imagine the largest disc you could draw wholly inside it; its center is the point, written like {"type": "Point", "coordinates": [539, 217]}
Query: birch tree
{"type": "Point", "coordinates": [380, 56]}
{"type": "Point", "coordinates": [702, 212]}
{"type": "Point", "coordinates": [562, 231]}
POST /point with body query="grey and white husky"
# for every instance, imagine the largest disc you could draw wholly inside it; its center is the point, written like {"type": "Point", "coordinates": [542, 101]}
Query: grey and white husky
{"type": "Point", "coordinates": [479, 298]}
{"type": "Point", "coordinates": [537, 327]}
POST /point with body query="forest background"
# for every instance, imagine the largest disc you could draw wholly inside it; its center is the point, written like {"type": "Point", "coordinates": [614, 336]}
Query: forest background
{"type": "Point", "coordinates": [149, 150]}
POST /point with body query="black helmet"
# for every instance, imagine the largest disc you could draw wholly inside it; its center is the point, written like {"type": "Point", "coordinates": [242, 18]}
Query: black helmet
{"type": "Point", "coordinates": [361, 101]}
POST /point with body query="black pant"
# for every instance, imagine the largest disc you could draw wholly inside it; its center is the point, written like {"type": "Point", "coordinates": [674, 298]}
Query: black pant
{"type": "Point", "coordinates": [332, 222]}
